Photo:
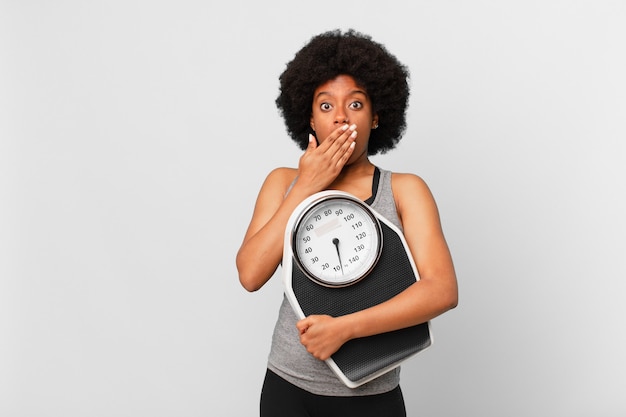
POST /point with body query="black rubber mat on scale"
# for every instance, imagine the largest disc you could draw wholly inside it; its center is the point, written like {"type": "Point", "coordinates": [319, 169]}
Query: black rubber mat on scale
{"type": "Point", "coordinates": [360, 358]}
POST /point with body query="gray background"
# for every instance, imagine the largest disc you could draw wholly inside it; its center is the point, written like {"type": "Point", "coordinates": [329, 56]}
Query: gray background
{"type": "Point", "coordinates": [136, 134]}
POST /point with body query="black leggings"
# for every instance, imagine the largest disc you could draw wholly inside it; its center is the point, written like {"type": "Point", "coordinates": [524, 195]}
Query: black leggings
{"type": "Point", "coordinates": [280, 398]}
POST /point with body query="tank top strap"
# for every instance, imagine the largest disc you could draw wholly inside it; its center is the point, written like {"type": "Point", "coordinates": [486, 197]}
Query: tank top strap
{"type": "Point", "coordinates": [384, 201]}
{"type": "Point", "coordinates": [375, 182]}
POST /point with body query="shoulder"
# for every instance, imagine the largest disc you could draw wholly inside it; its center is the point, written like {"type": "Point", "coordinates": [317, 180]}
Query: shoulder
{"type": "Point", "coordinates": [277, 183]}
{"type": "Point", "coordinates": [412, 195]}
{"type": "Point", "coordinates": [280, 178]}
{"type": "Point", "coordinates": [271, 195]}
{"type": "Point", "coordinates": [405, 183]}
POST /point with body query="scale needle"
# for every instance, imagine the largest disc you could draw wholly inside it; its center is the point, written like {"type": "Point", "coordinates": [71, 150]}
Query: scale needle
{"type": "Point", "coordinates": [336, 243]}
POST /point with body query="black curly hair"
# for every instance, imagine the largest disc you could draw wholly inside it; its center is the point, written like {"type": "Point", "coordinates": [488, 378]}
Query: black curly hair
{"type": "Point", "coordinates": [351, 53]}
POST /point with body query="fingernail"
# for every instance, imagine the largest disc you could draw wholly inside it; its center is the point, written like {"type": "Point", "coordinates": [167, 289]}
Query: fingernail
{"type": "Point", "coordinates": [344, 127]}
{"type": "Point", "coordinates": [353, 135]}
{"type": "Point", "coordinates": [352, 127]}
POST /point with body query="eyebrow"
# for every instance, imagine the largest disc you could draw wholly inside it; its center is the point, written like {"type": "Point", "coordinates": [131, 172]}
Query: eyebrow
{"type": "Point", "coordinates": [321, 93]}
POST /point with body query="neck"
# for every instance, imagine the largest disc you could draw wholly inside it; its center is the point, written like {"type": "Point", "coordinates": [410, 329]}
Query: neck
{"type": "Point", "coordinates": [357, 168]}
{"type": "Point", "coordinates": [355, 178]}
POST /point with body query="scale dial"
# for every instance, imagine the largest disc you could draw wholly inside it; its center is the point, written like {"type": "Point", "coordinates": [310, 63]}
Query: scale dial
{"type": "Point", "coordinates": [337, 240]}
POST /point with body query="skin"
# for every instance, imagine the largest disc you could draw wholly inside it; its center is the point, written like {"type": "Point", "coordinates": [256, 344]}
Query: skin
{"type": "Point", "coordinates": [342, 118]}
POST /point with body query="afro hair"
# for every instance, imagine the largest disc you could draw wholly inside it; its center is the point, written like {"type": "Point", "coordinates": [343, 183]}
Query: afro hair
{"type": "Point", "coordinates": [334, 53]}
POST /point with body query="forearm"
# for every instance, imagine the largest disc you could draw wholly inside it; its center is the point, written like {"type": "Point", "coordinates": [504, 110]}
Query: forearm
{"type": "Point", "coordinates": [322, 335]}
{"type": "Point", "coordinates": [421, 302]}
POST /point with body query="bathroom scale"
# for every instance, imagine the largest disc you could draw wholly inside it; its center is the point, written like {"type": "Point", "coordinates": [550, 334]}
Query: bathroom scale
{"type": "Point", "coordinates": [340, 256]}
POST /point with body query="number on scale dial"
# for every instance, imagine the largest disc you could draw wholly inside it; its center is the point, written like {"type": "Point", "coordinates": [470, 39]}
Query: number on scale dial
{"type": "Point", "coordinates": [337, 240]}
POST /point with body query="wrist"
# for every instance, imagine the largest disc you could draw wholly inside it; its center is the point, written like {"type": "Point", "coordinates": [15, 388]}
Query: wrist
{"type": "Point", "coordinates": [348, 328]}
{"type": "Point", "coordinates": [304, 187]}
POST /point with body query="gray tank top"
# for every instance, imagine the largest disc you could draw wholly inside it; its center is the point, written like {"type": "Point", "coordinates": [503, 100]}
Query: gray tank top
{"type": "Point", "coordinates": [290, 360]}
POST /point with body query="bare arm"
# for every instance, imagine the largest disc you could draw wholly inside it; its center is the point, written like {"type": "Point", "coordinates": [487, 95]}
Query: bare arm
{"type": "Point", "coordinates": [435, 292]}
{"type": "Point", "coordinates": [262, 247]}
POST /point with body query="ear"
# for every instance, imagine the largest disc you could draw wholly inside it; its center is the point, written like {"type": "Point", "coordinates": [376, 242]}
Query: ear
{"type": "Point", "coordinates": [312, 123]}
{"type": "Point", "coordinates": [375, 121]}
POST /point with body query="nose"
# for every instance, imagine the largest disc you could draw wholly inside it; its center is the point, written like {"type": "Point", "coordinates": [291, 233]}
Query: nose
{"type": "Point", "coordinates": [341, 117]}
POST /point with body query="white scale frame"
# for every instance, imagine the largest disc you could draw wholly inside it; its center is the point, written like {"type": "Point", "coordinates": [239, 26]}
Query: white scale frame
{"type": "Point", "coordinates": [288, 271]}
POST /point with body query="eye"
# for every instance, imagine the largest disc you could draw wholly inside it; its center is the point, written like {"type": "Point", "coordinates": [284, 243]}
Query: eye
{"type": "Point", "coordinates": [355, 105]}
{"type": "Point", "coordinates": [325, 106]}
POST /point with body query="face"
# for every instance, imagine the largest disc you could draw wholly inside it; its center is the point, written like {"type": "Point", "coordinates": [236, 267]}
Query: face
{"type": "Point", "coordinates": [341, 101]}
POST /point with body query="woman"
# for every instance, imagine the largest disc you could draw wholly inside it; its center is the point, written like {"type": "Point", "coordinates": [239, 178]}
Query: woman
{"type": "Point", "coordinates": [343, 98]}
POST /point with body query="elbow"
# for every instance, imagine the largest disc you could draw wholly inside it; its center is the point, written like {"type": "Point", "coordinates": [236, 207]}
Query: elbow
{"type": "Point", "coordinates": [446, 298]}
{"type": "Point", "coordinates": [254, 271]}
{"type": "Point", "coordinates": [451, 300]}
{"type": "Point", "coordinates": [450, 293]}
{"type": "Point", "coordinates": [248, 277]}
{"type": "Point", "coordinates": [249, 288]}
{"type": "Point", "coordinates": [248, 283]}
